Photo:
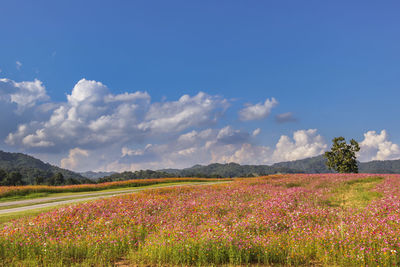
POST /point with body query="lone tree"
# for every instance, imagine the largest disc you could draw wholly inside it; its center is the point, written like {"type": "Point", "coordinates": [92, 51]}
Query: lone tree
{"type": "Point", "coordinates": [342, 157]}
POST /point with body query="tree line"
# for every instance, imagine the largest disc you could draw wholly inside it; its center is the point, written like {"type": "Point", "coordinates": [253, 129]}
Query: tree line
{"type": "Point", "coordinates": [13, 178]}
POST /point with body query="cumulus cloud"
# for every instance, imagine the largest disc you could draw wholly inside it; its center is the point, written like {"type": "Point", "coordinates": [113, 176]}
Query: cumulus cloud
{"type": "Point", "coordinates": [285, 117]}
{"type": "Point", "coordinates": [378, 147]}
{"type": "Point", "coordinates": [228, 135]}
{"type": "Point", "coordinates": [199, 110]}
{"type": "Point", "coordinates": [194, 147]}
{"type": "Point", "coordinates": [210, 146]}
{"type": "Point", "coordinates": [93, 117]}
{"type": "Point", "coordinates": [23, 94]}
{"type": "Point", "coordinates": [90, 117]}
{"type": "Point", "coordinates": [257, 111]}
{"type": "Point", "coordinates": [75, 159]}
{"type": "Point", "coordinates": [21, 102]}
{"type": "Point", "coordinates": [106, 131]}
{"type": "Point", "coordinates": [305, 143]}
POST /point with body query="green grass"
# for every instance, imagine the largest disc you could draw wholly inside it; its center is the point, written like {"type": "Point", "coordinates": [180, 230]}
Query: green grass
{"type": "Point", "coordinates": [7, 217]}
{"type": "Point", "coordinates": [355, 193]}
{"type": "Point", "coordinates": [16, 191]}
{"type": "Point", "coordinates": [23, 197]}
{"type": "Point", "coordinates": [35, 195]}
{"type": "Point", "coordinates": [4, 218]}
{"type": "Point", "coordinates": [71, 196]}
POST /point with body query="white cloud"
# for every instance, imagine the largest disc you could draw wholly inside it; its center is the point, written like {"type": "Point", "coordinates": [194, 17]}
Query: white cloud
{"type": "Point", "coordinates": [306, 143]}
{"type": "Point", "coordinates": [228, 135]}
{"type": "Point", "coordinates": [257, 111]}
{"type": "Point", "coordinates": [105, 131]}
{"type": "Point", "coordinates": [18, 65]}
{"type": "Point", "coordinates": [377, 147]}
{"type": "Point", "coordinates": [194, 147]}
{"type": "Point", "coordinates": [94, 117]}
{"type": "Point", "coordinates": [20, 103]}
{"type": "Point", "coordinates": [90, 117]}
{"type": "Point", "coordinates": [75, 159]}
{"type": "Point", "coordinates": [249, 154]}
{"type": "Point", "coordinates": [199, 110]}
{"type": "Point", "coordinates": [211, 145]}
{"type": "Point", "coordinates": [256, 132]}
{"type": "Point", "coordinates": [23, 94]}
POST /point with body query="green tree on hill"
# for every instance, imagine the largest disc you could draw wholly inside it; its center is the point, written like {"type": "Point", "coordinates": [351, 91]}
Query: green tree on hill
{"type": "Point", "coordinates": [342, 157]}
{"type": "Point", "coordinates": [39, 180]}
{"type": "Point", "coordinates": [59, 178]}
{"type": "Point", "coordinates": [3, 175]}
{"type": "Point", "coordinates": [13, 178]}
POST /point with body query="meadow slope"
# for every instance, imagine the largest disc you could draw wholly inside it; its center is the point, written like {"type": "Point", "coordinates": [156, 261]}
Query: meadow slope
{"type": "Point", "coordinates": [323, 219]}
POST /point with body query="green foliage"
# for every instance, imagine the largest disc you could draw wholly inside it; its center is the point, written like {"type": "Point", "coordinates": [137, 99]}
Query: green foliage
{"type": "Point", "coordinates": [142, 174]}
{"type": "Point", "coordinates": [13, 178]}
{"type": "Point", "coordinates": [33, 171]}
{"type": "Point", "coordinates": [3, 175]}
{"type": "Point", "coordinates": [342, 157]}
{"type": "Point", "coordinates": [39, 180]}
{"type": "Point", "coordinates": [308, 165]}
{"type": "Point", "coordinates": [59, 178]}
{"type": "Point", "coordinates": [217, 170]}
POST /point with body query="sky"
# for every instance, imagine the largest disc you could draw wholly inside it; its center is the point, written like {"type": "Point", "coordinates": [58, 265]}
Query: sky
{"type": "Point", "coordinates": [129, 85]}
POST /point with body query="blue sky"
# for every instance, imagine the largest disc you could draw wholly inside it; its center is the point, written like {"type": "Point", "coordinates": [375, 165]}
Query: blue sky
{"type": "Point", "coordinates": [332, 67]}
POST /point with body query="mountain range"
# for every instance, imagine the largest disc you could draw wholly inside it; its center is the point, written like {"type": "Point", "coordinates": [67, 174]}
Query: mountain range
{"type": "Point", "coordinates": [31, 167]}
{"type": "Point", "coordinates": [308, 165]}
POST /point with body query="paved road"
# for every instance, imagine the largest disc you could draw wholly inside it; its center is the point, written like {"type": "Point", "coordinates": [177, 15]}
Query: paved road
{"type": "Point", "coordinates": [55, 201]}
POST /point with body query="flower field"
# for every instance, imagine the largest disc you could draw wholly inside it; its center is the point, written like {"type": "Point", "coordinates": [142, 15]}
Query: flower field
{"type": "Point", "coordinates": [320, 219]}
{"type": "Point", "coordinates": [6, 191]}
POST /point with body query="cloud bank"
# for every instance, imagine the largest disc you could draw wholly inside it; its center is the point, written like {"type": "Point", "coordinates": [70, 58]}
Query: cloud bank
{"type": "Point", "coordinates": [94, 129]}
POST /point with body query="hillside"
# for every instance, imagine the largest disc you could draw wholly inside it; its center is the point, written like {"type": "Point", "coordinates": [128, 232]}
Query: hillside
{"type": "Point", "coordinates": [380, 166]}
{"type": "Point", "coordinates": [230, 170]}
{"type": "Point", "coordinates": [317, 165]}
{"type": "Point", "coordinates": [142, 174]}
{"type": "Point", "coordinates": [31, 167]}
{"type": "Point", "coordinates": [95, 175]}
{"type": "Point", "coordinates": [308, 165]}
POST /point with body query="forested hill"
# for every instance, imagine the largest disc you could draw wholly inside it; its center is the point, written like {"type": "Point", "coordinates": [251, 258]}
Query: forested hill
{"type": "Point", "coordinates": [317, 165]}
{"type": "Point", "coordinates": [95, 175]}
{"type": "Point", "coordinates": [230, 170]}
{"type": "Point", "coordinates": [30, 167]}
{"type": "Point", "coordinates": [308, 165]}
{"type": "Point", "coordinates": [380, 166]}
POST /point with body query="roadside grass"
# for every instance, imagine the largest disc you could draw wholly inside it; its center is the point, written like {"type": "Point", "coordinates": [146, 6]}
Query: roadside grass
{"type": "Point", "coordinates": [7, 217]}
{"type": "Point", "coordinates": [49, 194]}
{"type": "Point", "coordinates": [356, 193]}
{"type": "Point", "coordinates": [23, 197]}
{"type": "Point", "coordinates": [14, 193]}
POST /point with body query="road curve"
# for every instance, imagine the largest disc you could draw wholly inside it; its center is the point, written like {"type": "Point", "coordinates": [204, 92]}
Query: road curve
{"type": "Point", "coordinates": [35, 203]}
